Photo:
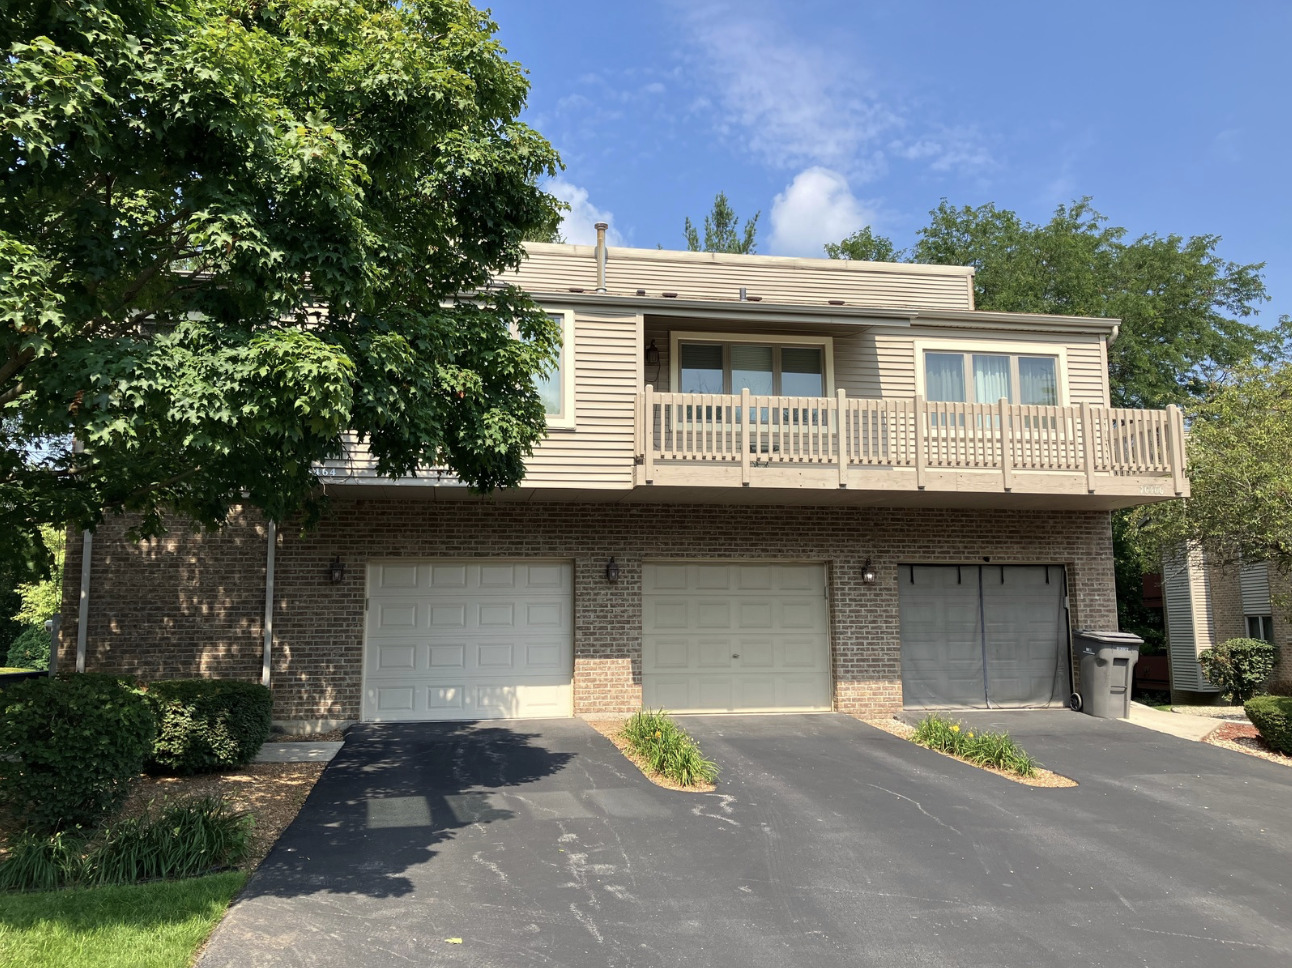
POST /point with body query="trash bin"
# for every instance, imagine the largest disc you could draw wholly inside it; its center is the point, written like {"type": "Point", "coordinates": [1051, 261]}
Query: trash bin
{"type": "Point", "coordinates": [1107, 668]}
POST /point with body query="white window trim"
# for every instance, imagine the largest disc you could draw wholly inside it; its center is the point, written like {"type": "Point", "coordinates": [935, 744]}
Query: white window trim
{"type": "Point", "coordinates": [825, 343]}
{"type": "Point", "coordinates": [988, 347]}
{"type": "Point", "coordinates": [565, 419]}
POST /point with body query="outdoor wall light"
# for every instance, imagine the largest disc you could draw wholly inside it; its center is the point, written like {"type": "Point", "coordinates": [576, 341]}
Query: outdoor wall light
{"type": "Point", "coordinates": [336, 570]}
{"type": "Point", "coordinates": [652, 354]}
{"type": "Point", "coordinates": [868, 574]}
{"type": "Point", "coordinates": [612, 571]}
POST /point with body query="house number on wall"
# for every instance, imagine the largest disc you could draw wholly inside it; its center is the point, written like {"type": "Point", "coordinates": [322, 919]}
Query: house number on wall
{"type": "Point", "coordinates": [1152, 489]}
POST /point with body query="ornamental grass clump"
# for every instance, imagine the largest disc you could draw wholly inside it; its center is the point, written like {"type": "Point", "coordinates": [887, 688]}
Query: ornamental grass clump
{"type": "Point", "coordinates": [667, 749]}
{"type": "Point", "coordinates": [995, 750]}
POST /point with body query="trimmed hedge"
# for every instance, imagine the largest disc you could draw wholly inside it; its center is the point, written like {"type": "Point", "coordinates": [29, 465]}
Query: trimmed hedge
{"type": "Point", "coordinates": [30, 649]}
{"type": "Point", "coordinates": [206, 725]}
{"type": "Point", "coordinates": [1272, 716]}
{"type": "Point", "coordinates": [75, 744]}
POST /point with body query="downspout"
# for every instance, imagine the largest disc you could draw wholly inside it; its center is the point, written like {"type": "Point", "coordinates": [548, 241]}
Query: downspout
{"type": "Point", "coordinates": [83, 611]}
{"type": "Point", "coordinates": [601, 255]}
{"type": "Point", "coordinates": [271, 543]}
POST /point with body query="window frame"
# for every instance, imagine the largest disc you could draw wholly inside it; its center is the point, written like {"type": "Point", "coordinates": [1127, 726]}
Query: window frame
{"type": "Point", "coordinates": [564, 420]}
{"type": "Point", "coordinates": [969, 348]}
{"type": "Point", "coordinates": [776, 341]}
{"type": "Point", "coordinates": [1265, 622]}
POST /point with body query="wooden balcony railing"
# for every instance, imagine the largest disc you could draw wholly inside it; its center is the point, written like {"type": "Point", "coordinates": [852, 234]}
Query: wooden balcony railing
{"type": "Point", "coordinates": [677, 430]}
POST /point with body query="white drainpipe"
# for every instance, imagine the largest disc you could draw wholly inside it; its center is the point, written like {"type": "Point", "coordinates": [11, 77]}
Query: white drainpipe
{"type": "Point", "coordinates": [83, 612]}
{"type": "Point", "coordinates": [271, 543]}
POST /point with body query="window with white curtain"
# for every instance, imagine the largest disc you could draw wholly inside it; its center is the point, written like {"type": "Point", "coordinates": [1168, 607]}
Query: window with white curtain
{"type": "Point", "coordinates": [989, 377]}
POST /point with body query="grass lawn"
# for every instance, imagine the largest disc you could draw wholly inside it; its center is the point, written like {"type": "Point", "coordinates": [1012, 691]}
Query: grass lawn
{"type": "Point", "coordinates": [157, 925]}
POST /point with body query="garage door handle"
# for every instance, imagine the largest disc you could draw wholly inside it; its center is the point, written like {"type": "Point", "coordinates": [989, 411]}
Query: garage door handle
{"type": "Point", "coordinates": [735, 655]}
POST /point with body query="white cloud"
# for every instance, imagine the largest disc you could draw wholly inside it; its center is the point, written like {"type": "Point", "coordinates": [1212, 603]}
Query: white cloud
{"type": "Point", "coordinates": [797, 101]}
{"type": "Point", "coordinates": [816, 207]}
{"type": "Point", "coordinates": [579, 223]}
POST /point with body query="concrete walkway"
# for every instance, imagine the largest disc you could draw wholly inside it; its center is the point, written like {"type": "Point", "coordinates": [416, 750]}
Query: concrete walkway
{"type": "Point", "coordinates": [1183, 725]}
{"type": "Point", "coordinates": [298, 752]}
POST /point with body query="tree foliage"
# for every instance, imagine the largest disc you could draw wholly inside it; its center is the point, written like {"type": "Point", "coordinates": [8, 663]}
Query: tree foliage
{"type": "Point", "coordinates": [232, 230]}
{"type": "Point", "coordinates": [1240, 476]}
{"type": "Point", "coordinates": [722, 230]}
{"type": "Point", "coordinates": [865, 245]}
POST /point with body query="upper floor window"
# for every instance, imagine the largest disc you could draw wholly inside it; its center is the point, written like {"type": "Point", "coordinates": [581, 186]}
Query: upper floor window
{"type": "Point", "coordinates": [988, 377]}
{"type": "Point", "coordinates": [1261, 627]}
{"type": "Point", "coordinates": [765, 368]}
{"type": "Point", "coordinates": [556, 387]}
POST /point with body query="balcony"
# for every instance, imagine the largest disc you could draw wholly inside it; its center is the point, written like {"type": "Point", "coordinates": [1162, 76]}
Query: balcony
{"type": "Point", "coordinates": [1073, 456]}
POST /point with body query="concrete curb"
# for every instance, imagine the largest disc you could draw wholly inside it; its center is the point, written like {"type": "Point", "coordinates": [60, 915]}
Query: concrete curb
{"type": "Point", "coordinates": [298, 752]}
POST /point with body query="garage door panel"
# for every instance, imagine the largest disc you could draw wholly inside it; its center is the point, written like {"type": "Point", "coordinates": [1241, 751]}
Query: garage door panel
{"type": "Point", "coordinates": [713, 653]}
{"type": "Point", "coordinates": [490, 639]}
{"type": "Point", "coordinates": [754, 615]}
{"type": "Point", "coordinates": [775, 634]}
{"type": "Point", "coordinates": [448, 576]}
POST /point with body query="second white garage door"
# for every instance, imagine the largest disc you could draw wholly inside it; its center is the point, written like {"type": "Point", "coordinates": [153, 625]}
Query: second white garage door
{"type": "Point", "coordinates": [735, 637]}
{"type": "Point", "coordinates": [471, 639]}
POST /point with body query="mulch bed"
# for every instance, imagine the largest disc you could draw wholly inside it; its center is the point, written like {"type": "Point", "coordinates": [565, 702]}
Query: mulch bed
{"type": "Point", "coordinates": [1245, 738]}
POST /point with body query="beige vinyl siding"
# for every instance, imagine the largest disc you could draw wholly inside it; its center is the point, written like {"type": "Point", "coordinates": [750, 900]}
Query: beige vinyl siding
{"type": "Point", "coordinates": [598, 451]}
{"type": "Point", "coordinates": [774, 279]}
{"type": "Point", "coordinates": [1190, 626]}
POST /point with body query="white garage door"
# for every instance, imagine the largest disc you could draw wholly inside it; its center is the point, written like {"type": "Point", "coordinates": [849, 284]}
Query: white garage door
{"type": "Point", "coordinates": [479, 639]}
{"type": "Point", "coordinates": [735, 637]}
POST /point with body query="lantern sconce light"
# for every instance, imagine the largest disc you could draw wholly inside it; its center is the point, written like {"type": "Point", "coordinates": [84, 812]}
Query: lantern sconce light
{"type": "Point", "coordinates": [652, 354]}
{"type": "Point", "coordinates": [612, 570]}
{"type": "Point", "coordinates": [868, 574]}
{"type": "Point", "coordinates": [336, 570]}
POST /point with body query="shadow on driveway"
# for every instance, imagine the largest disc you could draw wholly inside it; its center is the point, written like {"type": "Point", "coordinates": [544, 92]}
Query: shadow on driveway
{"type": "Point", "coordinates": [392, 794]}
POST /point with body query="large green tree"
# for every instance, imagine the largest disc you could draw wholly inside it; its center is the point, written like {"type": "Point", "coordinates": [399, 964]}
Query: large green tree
{"type": "Point", "coordinates": [1240, 475]}
{"type": "Point", "coordinates": [722, 230]}
{"type": "Point", "coordinates": [232, 230]}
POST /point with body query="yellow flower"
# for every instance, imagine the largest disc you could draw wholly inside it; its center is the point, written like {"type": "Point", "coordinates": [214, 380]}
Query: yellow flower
{"type": "Point", "coordinates": [955, 728]}
{"type": "Point", "coordinates": [658, 734]}
{"type": "Point", "coordinates": [970, 735]}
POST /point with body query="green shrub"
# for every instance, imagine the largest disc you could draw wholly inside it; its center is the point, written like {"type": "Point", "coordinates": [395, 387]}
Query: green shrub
{"type": "Point", "coordinates": [205, 725]}
{"type": "Point", "coordinates": [75, 744]}
{"type": "Point", "coordinates": [667, 749]}
{"type": "Point", "coordinates": [30, 649]}
{"type": "Point", "coordinates": [996, 750]}
{"type": "Point", "coordinates": [187, 837]}
{"type": "Point", "coordinates": [184, 838]}
{"type": "Point", "coordinates": [1272, 716]}
{"type": "Point", "coordinates": [1239, 667]}
{"type": "Point", "coordinates": [43, 862]}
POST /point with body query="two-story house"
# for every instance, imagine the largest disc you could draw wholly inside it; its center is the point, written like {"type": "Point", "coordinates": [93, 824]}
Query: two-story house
{"type": "Point", "coordinates": [769, 484]}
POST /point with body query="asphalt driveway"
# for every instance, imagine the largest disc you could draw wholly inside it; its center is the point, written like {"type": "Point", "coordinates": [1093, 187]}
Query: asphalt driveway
{"type": "Point", "coordinates": [828, 843]}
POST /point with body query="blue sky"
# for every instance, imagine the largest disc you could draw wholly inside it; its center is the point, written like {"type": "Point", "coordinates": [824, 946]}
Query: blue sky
{"type": "Point", "coordinates": [826, 116]}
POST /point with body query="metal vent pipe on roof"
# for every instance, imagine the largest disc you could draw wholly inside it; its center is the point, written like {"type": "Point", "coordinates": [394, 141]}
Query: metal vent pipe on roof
{"type": "Point", "coordinates": [742, 294]}
{"type": "Point", "coordinates": [601, 256]}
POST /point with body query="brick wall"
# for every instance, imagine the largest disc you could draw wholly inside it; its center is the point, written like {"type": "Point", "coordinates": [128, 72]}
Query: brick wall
{"type": "Point", "coordinates": [183, 605]}
{"type": "Point", "coordinates": [1231, 622]}
{"type": "Point", "coordinates": [319, 626]}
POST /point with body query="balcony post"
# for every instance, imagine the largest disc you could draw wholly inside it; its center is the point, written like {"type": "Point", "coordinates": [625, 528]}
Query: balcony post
{"type": "Point", "coordinates": [648, 420]}
{"type": "Point", "coordinates": [1175, 440]}
{"type": "Point", "coordinates": [920, 419]}
{"type": "Point", "coordinates": [1088, 438]}
{"type": "Point", "coordinates": [744, 437]}
{"type": "Point", "coordinates": [1006, 455]}
{"type": "Point", "coordinates": [841, 439]}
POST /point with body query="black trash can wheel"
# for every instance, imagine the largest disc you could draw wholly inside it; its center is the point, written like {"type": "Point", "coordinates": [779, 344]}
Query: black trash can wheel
{"type": "Point", "coordinates": [1074, 702]}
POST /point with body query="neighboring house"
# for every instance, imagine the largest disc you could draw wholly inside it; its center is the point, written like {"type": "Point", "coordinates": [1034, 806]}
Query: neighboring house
{"type": "Point", "coordinates": [770, 484]}
{"type": "Point", "coordinates": [1207, 604]}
